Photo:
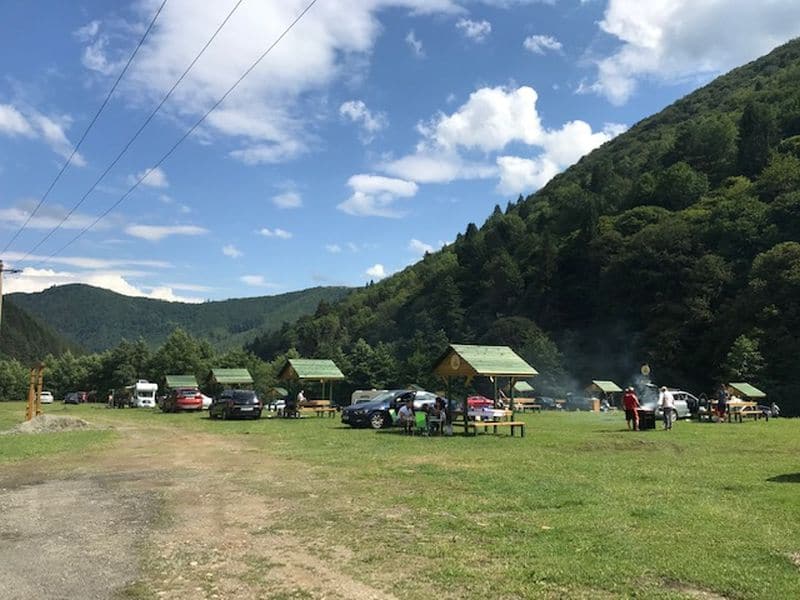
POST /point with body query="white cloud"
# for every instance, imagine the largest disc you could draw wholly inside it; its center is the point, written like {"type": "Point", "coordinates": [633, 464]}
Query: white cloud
{"type": "Point", "coordinates": [376, 271]}
{"type": "Point", "coordinates": [270, 116]}
{"type": "Point", "coordinates": [88, 31]}
{"type": "Point", "coordinates": [13, 123]}
{"type": "Point", "coordinates": [371, 123]}
{"type": "Point", "coordinates": [36, 280]}
{"type": "Point", "coordinates": [86, 262]}
{"type": "Point", "coordinates": [35, 125]}
{"type": "Point", "coordinates": [155, 178]}
{"type": "Point", "coordinates": [288, 200]}
{"type": "Point", "coordinates": [257, 281]}
{"type": "Point", "coordinates": [276, 233]}
{"type": "Point", "coordinates": [47, 217]}
{"type": "Point", "coordinates": [418, 247]}
{"type": "Point", "coordinates": [374, 196]}
{"type": "Point", "coordinates": [232, 251]}
{"type": "Point", "coordinates": [540, 44]}
{"type": "Point", "coordinates": [155, 233]}
{"type": "Point", "coordinates": [562, 148]}
{"type": "Point", "coordinates": [488, 122]}
{"type": "Point", "coordinates": [333, 248]}
{"type": "Point", "coordinates": [477, 31]}
{"type": "Point", "coordinates": [673, 39]}
{"type": "Point", "coordinates": [415, 44]}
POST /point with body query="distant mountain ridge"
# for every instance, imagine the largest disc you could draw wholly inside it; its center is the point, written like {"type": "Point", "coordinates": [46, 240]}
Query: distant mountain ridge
{"type": "Point", "coordinates": [26, 338]}
{"type": "Point", "coordinates": [96, 319]}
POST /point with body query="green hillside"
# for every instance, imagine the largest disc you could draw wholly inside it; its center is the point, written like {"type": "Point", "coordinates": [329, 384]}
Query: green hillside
{"type": "Point", "coordinates": [26, 338]}
{"type": "Point", "coordinates": [98, 319]}
{"type": "Point", "coordinates": [674, 244]}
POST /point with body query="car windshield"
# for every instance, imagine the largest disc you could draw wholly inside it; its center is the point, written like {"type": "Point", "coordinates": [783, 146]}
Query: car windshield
{"type": "Point", "coordinates": [385, 396]}
{"type": "Point", "coordinates": [244, 396]}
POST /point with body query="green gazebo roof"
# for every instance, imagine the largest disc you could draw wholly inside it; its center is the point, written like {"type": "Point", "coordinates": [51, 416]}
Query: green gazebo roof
{"type": "Point", "coordinates": [311, 369]}
{"type": "Point", "coordinates": [609, 387]}
{"type": "Point", "coordinates": [181, 381]}
{"type": "Point", "coordinates": [523, 386]}
{"type": "Point", "coordinates": [747, 390]}
{"type": "Point", "coordinates": [467, 360]}
{"type": "Point", "coordinates": [232, 376]}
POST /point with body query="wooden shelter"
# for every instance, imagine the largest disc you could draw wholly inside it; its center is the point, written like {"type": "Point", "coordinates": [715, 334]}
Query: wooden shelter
{"type": "Point", "coordinates": [175, 382]}
{"type": "Point", "coordinates": [523, 388]}
{"type": "Point", "coordinates": [745, 390]}
{"type": "Point", "coordinates": [461, 360]}
{"type": "Point", "coordinates": [312, 370]}
{"type": "Point", "coordinates": [232, 377]}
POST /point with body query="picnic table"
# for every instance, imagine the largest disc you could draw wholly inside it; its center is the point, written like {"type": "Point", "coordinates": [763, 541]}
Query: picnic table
{"type": "Point", "coordinates": [738, 409]}
{"type": "Point", "coordinates": [321, 408]}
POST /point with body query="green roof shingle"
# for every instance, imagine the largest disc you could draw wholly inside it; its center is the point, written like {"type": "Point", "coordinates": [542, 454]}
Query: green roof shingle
{"type": "Point", "coordinates": [609, 387]}
{"type": "Point", "coordinates": [747, 390]}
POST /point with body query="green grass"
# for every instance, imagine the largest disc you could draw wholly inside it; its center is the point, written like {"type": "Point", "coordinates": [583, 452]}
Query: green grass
{"type": "Point", "coordinates": [578, 508]}
{"type": "Point", "coordinates": [21, 447]}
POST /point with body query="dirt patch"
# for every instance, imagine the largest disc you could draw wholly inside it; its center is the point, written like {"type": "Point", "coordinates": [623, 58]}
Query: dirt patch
{"type": "Point", "coordinates": [70, 539]}
{"type": "Point", "coordinates": [50, 424]}
{"type": "Point", "coordinates": [795, 558]}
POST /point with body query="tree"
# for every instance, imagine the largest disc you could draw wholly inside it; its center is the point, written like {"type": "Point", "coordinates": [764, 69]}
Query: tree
{"type": "Point", "coordinates": [744, 361]}
{"type": "Point", "coordinates": [781, 175]}
{"type": "Point", "coordinates": [680, 186]}
{"type": "Point", "coordinates": [707, 144]}
{"type": "Point", "coordinates": [757, 132]}
{"type": "Point", "coordinates": [14, 380]}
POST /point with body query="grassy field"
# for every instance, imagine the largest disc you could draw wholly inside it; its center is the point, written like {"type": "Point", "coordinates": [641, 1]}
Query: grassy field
{"type": "Point", "coordinates": [578, 508]}
{"type": "Point", "coordinates": [20, 447]}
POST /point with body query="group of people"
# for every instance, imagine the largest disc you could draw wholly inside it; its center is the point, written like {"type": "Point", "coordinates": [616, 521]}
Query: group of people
{"type": "Point", "coordinates": [630, 402]}
{"type": "Point", "coordinates": [436, 417]}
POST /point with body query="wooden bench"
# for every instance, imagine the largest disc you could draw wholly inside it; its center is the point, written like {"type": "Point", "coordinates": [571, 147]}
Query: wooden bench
{"type": "Point", "coordinates": [319, 407]}
{"type": "Point", "coordinates": [523, 404]}
{"type": "Point", "coordinates": [512, 425]}
{"type": "Point", "coordinates": [749, 411]}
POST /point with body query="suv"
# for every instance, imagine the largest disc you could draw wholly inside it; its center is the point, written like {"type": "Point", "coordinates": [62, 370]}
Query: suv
{"type": "Point", "coordinates": [235, 403]}
{"type": "Point", "coordinates": [682, 401]}
{"type": "Point", "coordinates": [376, 413]}
{"type": "Point", "coordinates": [182, 399]}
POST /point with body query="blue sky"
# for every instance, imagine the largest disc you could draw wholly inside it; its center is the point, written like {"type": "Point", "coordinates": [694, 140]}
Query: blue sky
{"type": "Point", "coordinates": [375, 130]}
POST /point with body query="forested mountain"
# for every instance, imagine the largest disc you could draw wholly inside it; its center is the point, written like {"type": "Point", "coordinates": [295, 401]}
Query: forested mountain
{"type": "Point", "coordinates": [98, 319]}
{"type": "Point", "coordinates": [26, 338]}
{"type": "Point", "coordinates": [674, 244]}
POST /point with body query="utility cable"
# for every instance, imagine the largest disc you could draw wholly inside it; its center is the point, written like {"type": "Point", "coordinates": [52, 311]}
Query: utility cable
{"type": "Point", "coordinates": [174, 147]}
{"type": "Point", "coordinates": [86, 131]}
{"type": "Point", "coordinates": [135, 135]}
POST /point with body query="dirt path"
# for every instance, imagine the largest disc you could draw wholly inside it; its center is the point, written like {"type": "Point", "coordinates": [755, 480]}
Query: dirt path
{"type": "Point", "coordinates": [162, 512]}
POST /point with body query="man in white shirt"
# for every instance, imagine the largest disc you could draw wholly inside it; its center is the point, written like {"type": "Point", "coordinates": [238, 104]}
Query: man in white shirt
{"type": "Point", "coordinates": [667, 404]}
{"type": "Point", "coordinates": [406, 416]}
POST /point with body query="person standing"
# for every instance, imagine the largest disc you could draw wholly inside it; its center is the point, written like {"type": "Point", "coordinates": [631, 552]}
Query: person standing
{"type": "Point", "coordinates": [667, 404]}
{"type": "Point", "coordinates": [722, 403]}
{"type": "Point", "coordinates": [630, 402]}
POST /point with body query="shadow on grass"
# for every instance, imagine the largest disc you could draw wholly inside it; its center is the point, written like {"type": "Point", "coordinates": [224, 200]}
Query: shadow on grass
{"type": "Point", "coordinates": [787, 478]}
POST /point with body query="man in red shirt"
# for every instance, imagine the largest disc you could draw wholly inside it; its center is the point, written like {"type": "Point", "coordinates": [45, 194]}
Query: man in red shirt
{"type": "Point", "coordinates": [631, 405]}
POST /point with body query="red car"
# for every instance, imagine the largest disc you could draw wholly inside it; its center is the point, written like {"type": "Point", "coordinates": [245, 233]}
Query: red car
{"type": "Point", "coordinates": [478, 402]}
{"type": "Point", "coordinates": [182, 399]}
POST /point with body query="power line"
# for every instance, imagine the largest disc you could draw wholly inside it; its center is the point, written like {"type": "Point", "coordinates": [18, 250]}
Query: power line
{"type": "Point", "coordinates": [174, 147]}
{"type": "Point", "coordinates": [86, 131]}
{"type": "Point", "coordinates": [135, 136]}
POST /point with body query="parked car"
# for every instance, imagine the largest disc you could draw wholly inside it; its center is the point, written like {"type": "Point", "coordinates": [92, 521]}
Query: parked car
{"type": "Point", "coordinates": [233, 404]}
{"type": "Point", "coordinates": [46, 397]}
{"type": "Point", "coordinates": [207, 400]}
{"type": "Point", "coordinates": [278, 405]}
{"type": "Point", "coordinates": [479, 402]}
{"type": "Point", "coordinates": [375, 413]}
{"type": "Point", "coordinates": [360, 396]}
{"type": "Point", "coordinates": [682, 401]}
{"type": "Point", "coordinates": [182, 399]}
{"type": "Point", "coordinates": [72, 398]}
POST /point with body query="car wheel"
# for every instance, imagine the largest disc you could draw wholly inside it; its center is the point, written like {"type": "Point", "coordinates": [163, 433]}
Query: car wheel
{"type": "Point", "coordinates": [377, 420]}
{"type": "Point", "coordinates": [674, 415]}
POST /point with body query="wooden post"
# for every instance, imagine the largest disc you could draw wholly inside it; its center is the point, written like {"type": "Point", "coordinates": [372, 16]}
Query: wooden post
{"type": "Point", "coordinates": [39, 380]}
{"type": "Point", "coordinates": [30, 410]}
{"type": "Point", "coordinates": [511, 383]}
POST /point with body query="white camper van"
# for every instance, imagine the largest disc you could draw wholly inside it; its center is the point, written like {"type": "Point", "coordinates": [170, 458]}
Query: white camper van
{"type": "Point", "coordinates": [143, 394]}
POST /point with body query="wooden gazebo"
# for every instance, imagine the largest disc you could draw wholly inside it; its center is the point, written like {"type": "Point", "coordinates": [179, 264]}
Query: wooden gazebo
{"type": "Point", "coordinates": [232, 377]}
{"type": "Point", "coordinates": [312, 370]}
{"type": "Point", "coordinates": [604, 387]}
{"type": "Point", "coordinates": [461, 360]}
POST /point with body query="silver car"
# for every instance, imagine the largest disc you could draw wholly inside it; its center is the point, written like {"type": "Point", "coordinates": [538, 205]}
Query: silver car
{"type": "Point", "coordinates": [681, 405]}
